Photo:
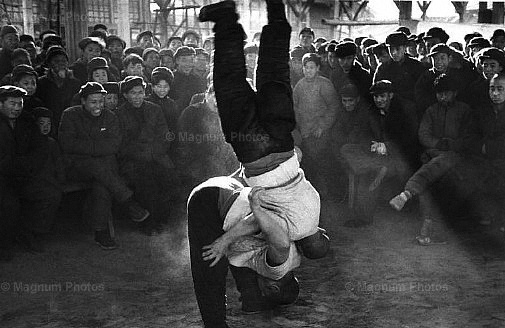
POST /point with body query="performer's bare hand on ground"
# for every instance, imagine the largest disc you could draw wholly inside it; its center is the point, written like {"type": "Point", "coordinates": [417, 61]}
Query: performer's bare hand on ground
{"type": "Point", "coordinates": [216, 250]}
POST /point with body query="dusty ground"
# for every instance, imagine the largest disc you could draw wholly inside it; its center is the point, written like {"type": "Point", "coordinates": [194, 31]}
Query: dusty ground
{"type": "Point", "coordinates": [374, 277]}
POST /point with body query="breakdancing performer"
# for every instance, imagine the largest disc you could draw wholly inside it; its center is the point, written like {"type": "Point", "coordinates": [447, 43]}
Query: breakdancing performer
{"type": "Point", "coordinates": [250, 221]}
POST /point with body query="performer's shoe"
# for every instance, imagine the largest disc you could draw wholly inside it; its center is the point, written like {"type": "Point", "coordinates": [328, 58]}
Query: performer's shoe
{"type": "Point", "coordinates": [217, 11]}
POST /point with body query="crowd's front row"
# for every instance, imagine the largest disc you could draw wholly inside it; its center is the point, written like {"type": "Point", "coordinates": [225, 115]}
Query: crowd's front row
{"type": "Point", "coordinates": [120, 156]}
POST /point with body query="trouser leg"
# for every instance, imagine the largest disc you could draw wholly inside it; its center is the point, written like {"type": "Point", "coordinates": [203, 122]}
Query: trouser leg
{"type": "Point", "coordinates": [204, 226]}
{"type": "Point", "coordinates": [98, 209]}
{"type": "Point", "coordinates": [40, 206]}
{"type": "Point", "coordinates": [9, 215]}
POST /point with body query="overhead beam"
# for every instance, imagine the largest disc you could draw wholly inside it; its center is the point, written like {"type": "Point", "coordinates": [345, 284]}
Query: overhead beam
{"type": "Point", "coordinates": [338, 22]}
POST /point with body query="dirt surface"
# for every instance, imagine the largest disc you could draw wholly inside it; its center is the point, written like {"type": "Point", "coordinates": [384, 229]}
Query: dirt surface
{"type": "Point", "coordinates": [374, 277]}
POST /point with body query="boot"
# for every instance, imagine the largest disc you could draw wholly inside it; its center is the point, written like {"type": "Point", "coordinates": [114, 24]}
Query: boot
{"type": "Point", "coordinates": [217, 11]}
{"type": "Point", "coordinates": [252, 299]}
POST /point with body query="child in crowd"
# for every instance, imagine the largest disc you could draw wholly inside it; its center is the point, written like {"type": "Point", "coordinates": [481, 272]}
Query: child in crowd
{"type": "Point", "coordinates": [162, 79]}
{"type": "Point", "coordinates": [111, 100]}
{"type": "Point", "coordinates": [25, 77]}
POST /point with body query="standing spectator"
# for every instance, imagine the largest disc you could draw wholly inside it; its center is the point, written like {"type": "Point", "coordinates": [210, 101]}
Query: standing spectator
{"type": "Point", "coordinates": [57, 87]}
{"type": "Point", "coordinates": [28, 43]}
{"type": "Point", "coordinates": [306, 37]}
{"type": "Point", "coordinates": [101, 28]}
{"type": "Point", "coordinates": [90, 137]}
{"type": "Point", "coordinates": [151, 59]}
{"type": "Point", "coordinates": [403, 71]}
{"type": "Point", "coordinates": [91, 47]}
{"type": "Point", "coordinates": [133, 66]}
{"type": "Point", "coordinates": [349, 70]}
{"type": "Point", "coordinates": [316, 106]}
{"type": "Point", "coordinates": [174, 43]}
{"type": "Point", "coordinates": [498, 39]}
{"type": "Point", "coordinates": [145, 40]}
{"type": "Point", "coordinates": [208, 44]}
{"type": "Point", "coordinates": [167, 58]}
{"type": "Point", "coordinates": [25, 77]}
{"type": "Point", "coordinates": [202, 63]}
{"type": "Point", "coordinates": [144, 154]}
{"type": "Point", "coordinates": [9, 40]}
{"type": "Point", "coordinates": [186, 84]}
{"type": "Point", "coordinates": [162, 80]}
{"type": "Point", "coordinates": [435, 35]}
{"type": "Point", "coordinates": [191, 38]}
{"type": "Point", "coordinates": [295, 65]}
{"type": "Point", "coordinates": [251, 58]}
{"type": "Point", "coordinates": [116, 45]}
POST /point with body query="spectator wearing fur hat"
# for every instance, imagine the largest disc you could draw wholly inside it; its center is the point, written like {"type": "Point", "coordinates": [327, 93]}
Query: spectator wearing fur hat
{"type": "Point", "coordinates": [295, 65]}
{"type": "Point", "coordinates": [9, 40]}
{"type": "Point", "coordinates": [90, 138]}
{"type": "Point", "coordinates": [316, 106]}
{"type": "Point", "coordinates": [162, 79]}
{"type": "Point", "coordinates": [57, 87]}
{"type": "Point", "coordinates": [145, 40]}
{"type": "Point", "coordinates": [144, 154]}
{"type": "Point", "coordinates": [25, 77]}
{"type": "Point", "coordinates": [349, 70]}
{"type": "Point", "coordinates": [151, 58]}
{"type": "Point", "coordinates": [403, 71]}
{"type": "Point", "coordinates": [111, 100]}
{"type": "Point", "coordinates": [186, 84]}
{"type": "Point", "coordinates": [91, 47]}
{"type": "Point", "coordinates": [18, 56]}
{"type": "Point", "coordinates": [202, 63]}
{"type": "Point", "coordinates": [367, 42]}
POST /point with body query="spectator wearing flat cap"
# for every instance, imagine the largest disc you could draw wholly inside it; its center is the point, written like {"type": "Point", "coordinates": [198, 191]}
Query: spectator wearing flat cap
{"type": "Point", "coordinates": [295, 64]}
{"type": "Point", "coordinates": [116, 45]}
{"type": "Point", "coordinates": [90, 137]}
{"type": "Point", "coordinates": [393, 154]}
{"type": "Point", "coordinates": [492, 61]}
{"type": "Point", "coordinates": [145, 40]}
{"type": "Point", "coordinates": [174, 43]}
{"type": "Point", "coordinates": [144, 154]}
{"type": "Point", "coordinates": [435, 35]}
{"type": "Point", "coordinates": [9, 40]}
{"type": "Point", "coordinates": [498, 39]}
{"type": "Point", "coordinates": [191, 38]}
{"type": "Point", "coordinates": [381, 54]}
{"type": "Point", "coordinates": [367, 42]}
{"type": "Point", "coordinates": [151, 58]}
{"type": "Point", "coordinates": [40, 61]}
{"type": "Point", "coordinates": [441, 56]}
{"type": "Point", "coordinates": [306, 37]}
{"type": "Point", "coordinates": [111, 100]}
{"type": "Point", "coordinates": [441, 133]}
{"type": "Point", "coordinates": [474, 46]}
{"type": "Point", "coordinates": [316, 106]}
{"type": "Point", "coordinates": [21, 159]}
{"type": "Point", "coordinates": [349, 70]}
{"type": "Point", "coordinates": [403, 71]}
{"type": "Point", "coordinates": [18, 56]}
{"type": "Point", "coordinates": [25, 77]}
{"type": "Point", "coordinates": [98, 71]}
{"type": "Point", "coordinates": [57, 87]}
{"type": "Point", "coordinates": [101, 28]}
{"type": "Point", "coordinates": [91, 47]}
{"type": "Point", "coordinates": [162, 79]}
{"type": "Point", "coordinates": [186, 84]}
{"type": "Point", "coordinates": [28, 43]}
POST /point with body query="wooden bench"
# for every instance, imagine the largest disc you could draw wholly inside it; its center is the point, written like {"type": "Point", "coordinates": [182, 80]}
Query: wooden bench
{"type": "Point", "coordinates": [71, 187]}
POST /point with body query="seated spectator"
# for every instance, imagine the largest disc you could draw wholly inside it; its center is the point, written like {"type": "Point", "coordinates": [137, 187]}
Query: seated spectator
{"type": "Point", "coordinates": [133, 66]}
{"type": "Point", "coordinates": [91, 47]}
{"type": "Point", "coordinates": [111, 100]}
{"type": "Point", "coordinates": [174, 43]}
{"type": "Point", "coordinates": [392, 152]}
{"type": "Point", "coordinates": [114, 73]}
{"type": "Point", "coordinates": [201, 151]}
{"type": "Point", "coordinates": [441, 133]}
{"type": "Point", "coordinates": [116, 45]}
{"type": "Point", "coordinates": [191, 38]}
{"type": "Point", "coordinates": [25, 77]}
{"type": "Point", "coordinates": [98, 70]}
{"type": "Point", "coordinates": [134, 50]}
{"type": "Point", "coordinates": [185, 84]}
{"type": "Point", "coordinates": [144, 154]}
{"type": "Point", "coordinates": [316, 106]}
{"type": "Point", "coordinates": [90, 137]}
{"type": "Point", "coordinates": [167, 58]}
{"type": "Point", "coordinates": [41, 193]}
{"type": "Point", "coordinates": [349, 70]}
{"type": "Point", "coordinates": [9, 40]}
{"type": "Point", "coordinates": [162, 79]}
{"type": "Point", "coordinates": [151, 58]}
{"type": "Point", "coordinates": [57, 87]}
